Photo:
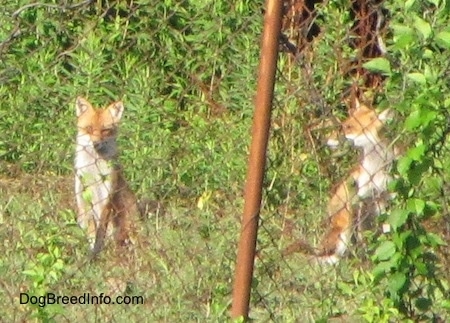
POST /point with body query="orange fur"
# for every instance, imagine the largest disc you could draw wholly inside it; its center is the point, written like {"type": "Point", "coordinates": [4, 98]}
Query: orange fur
{"type": "Point", "coordinates": [106, 204]}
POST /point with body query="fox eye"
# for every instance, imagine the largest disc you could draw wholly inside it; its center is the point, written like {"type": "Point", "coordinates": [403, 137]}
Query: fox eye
{"type": "Point", "coordinates": [106, 132]}
{"type": "Point", "coordinates": [89, 129]}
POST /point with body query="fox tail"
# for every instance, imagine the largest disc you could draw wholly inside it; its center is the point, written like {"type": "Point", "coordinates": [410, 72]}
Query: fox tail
{"type": "Point", "coordinates": [335, 242]}
{"type": "Point", "coordinates": [332, 248]}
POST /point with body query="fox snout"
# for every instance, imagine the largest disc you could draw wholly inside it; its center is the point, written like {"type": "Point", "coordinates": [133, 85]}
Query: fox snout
{"type": "Point", "coordinates": [105, 148]}
{"type": "Point", "coordinates": [99, 145]}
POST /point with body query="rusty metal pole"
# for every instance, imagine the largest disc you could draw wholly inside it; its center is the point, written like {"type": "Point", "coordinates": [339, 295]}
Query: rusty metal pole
{"type": "Point", "coordinates": [257, 159]}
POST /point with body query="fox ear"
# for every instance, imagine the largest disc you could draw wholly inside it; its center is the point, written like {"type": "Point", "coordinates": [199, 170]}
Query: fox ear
{"type": "Point", "coordinates": [81, 105]}
{"type": "Point", "coordinates": [386, 115]}
{"type": "Point", "coordinates": [116, 110]}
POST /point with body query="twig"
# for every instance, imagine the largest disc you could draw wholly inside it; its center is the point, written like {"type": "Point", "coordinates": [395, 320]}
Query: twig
{"type": "Point", "coordinates": [47, 5]}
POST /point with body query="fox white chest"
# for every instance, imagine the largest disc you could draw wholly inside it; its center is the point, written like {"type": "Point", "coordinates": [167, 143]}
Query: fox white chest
{"type": "Point", "coordinates": [93, 184]}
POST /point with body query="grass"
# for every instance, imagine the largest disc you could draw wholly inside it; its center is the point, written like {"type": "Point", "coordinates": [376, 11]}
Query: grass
{"type": "Point", "coordinates": [185, 251]}
{"type": "Point", "coordinates": [188, 83]}
{"type": "Point", "coordinates": [185, 264]}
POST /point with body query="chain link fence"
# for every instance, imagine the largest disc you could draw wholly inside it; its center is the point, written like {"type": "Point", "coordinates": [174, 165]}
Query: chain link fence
{"type": "Point", "coordinates": [186, 73]}
{"type": "Point", "coordinates": [344, 183]}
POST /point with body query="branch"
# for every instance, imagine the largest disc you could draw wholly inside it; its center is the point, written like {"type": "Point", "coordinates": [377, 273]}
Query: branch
{"type": "Point", "coordinates": [52, 6]}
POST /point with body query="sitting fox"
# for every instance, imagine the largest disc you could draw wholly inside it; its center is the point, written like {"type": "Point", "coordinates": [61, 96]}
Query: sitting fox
{"type": "Point", "coordinates": [363, 129]}
{"type": "Point", "coordinates": [368, 181]}
{"type": "Point", "coordinates": [106, 205]}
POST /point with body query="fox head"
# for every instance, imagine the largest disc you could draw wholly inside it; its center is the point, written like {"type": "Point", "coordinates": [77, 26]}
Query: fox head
{"type": "Point", "coordinates": [97, 128]}
{"type": "Point", "coordinates": [362, 127]}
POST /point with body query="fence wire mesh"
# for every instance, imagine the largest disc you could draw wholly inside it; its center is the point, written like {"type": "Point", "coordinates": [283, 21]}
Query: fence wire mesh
{"type": "Point", "coordinates": [343, 185]}
{"type": "Point", "coordinates": [185, 71]}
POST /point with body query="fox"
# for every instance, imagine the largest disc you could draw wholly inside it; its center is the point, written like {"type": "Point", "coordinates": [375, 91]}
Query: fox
{"type": "Point", "coordinates": [106, 206]}
{"type": "Point", "coordinates": [363, 130]}
{"type": "Point", "coordinates": [365, 187]}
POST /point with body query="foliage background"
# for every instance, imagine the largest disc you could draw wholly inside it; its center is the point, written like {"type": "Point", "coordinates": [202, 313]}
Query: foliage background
{"type": "Point", "coordinates": [186, 71]}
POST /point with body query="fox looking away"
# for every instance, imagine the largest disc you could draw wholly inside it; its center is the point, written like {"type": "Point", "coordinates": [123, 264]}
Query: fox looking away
{"type": "Point", "coordinates": [363, 129]}
{"type": "Point", "coordinates": [364, 187]}
{"type": "Point", "coordinates": [106, 204]}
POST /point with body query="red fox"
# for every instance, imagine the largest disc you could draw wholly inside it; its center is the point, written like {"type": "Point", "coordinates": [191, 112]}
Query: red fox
{"type": "Point", "coordinates": [105, 203]}
{"type": "Point", "coordinates": [363, 129]}
{"type": "Point", "coordinates": [367, 181]}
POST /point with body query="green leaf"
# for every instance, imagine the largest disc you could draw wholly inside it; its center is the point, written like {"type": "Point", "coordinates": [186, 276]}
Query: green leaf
{"type": "Point", "coordinates": [409, 4]}
{"type": "Point", "coordinates": [417, 152]}
{"type": "Point", "coordinates": [429, 54]}
{"type": "Point", "coordinates": [446, 304]}
{"type": "Point", "coordinates": [379, 64]}
{"type": "Point", "coordinates": [427, 115]}
{"type": "Point", "coordinates": [421, 267]}
{"type": "Point", "coordinates": [397, 218]}
{"type": "Point", "coordinates": [403, 165]}
{"type": "Point", "coordinates": [403, 36]}
{"type": "Point", "coordinates": [396, 281]}
{"type": "Point", "coordinates": [413, 120]}
{"type": "Point", "coordinates": [30, 272]}
{"type": "Point", "coordinates": [416, 206]}
{"type": "Point", "coordinates": [431, 207]}
{"type": "Point", "coordinates": [346, 289]}
{"type": "Point", "coordinates": [443, 39]}
{"type": "Point", "coordinates": [385, 251]}
{"type": "Point", "coordinates": [415, 173]}
{"type": "Point", "coordinates": [402, 30]}
{"type": "Point", "coordinates": [417, 77]}
{"type": "Point", "coordinates": [419, 117]}
{"type": "Point", "coordinates": [414, 246]}
{"type": "Point", "coordinates": [422, 27]}
{"type": "Point", "coordinates": [435, 240]}
{"type": "Point", "coordinates": [423, 303]}
{"type": "Point", "coordinates": [381, 268]}
{"type": "Point", "coordinates": [429, 72]}
{"type": "Point", "coordinates": [447, 103]}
